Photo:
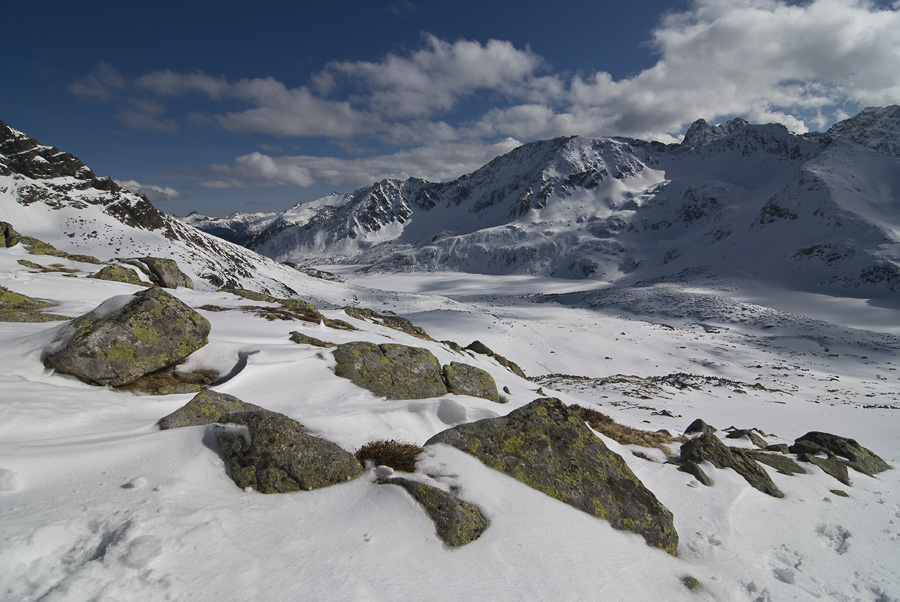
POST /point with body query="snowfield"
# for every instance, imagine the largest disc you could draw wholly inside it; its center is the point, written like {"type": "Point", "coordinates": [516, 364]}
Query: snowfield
{"type": "Point", "coordinates": [97, 504]}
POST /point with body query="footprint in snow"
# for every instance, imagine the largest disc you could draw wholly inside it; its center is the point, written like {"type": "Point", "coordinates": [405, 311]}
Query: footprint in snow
{"type": "Point", "coordinates": [835, 537]}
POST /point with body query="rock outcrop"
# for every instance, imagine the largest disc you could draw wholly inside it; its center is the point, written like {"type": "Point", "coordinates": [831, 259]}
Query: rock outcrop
{"type": "Point", "coordinates": [479, 347]}
{"type": "Point", "coordinates": [8, 235]}
{"type": "Point", "coordinates": [118, 273]}
{"type": "Point", "coordinates": [846, 451]}
{"type": "Point", "coordinates": [15, 307]}
{"type": "Point", "coordinates": [119, 342]}
{"type": "Point", "coordinates": [707, 447]}
{"type": "Point", "coordinates": [164, 272]}
{"type": "Point", "coordinates": [456, 522]}
{"type": "Point", "coordinates": [463, 379]}
{"type": "Point", "coordinates": [550, 449]}
{"type": "Point", "coordinates": [391, 370]}
{"type": "Point", "coordinates": [271, 453]}
{"type": "Point", "coordinates": [206, 407]}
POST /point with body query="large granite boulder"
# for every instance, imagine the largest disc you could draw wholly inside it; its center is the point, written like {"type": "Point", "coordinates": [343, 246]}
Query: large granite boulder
{"type": "Point", "coordinates": [164, 272]}
{"type": "Point", "coordinates": [390, 370]}
{"type": "Point", "coordinates": [206, 407]}
{"type": "Point", "coordinates": [707, 447]}
{"type": "Point", "coordinates": [118, 273]}
{"type": "Point", "coordinates": [840, 449]}
{"type": "Point", "coordinates": [271, 453]}
{"type": "Point", "coordinates": [128, 337]}
{"type": "Point", "coordinates": [552, 450]}
{"type": "Point", "coordinates": [456, 522]}
{"type": "Point", "coordinates": [463, 379]}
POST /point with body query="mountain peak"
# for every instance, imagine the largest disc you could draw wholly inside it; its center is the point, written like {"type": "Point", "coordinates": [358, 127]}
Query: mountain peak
{"type": "Point", "coordinates": [701, 133]}
{"type": "Point", "coordinates": [877, 128]}
{"type": "Point", "coordinates": [24, 155]}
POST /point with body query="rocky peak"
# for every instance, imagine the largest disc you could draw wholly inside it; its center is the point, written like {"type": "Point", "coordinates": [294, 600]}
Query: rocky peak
{"type": "Point", "coordinates": [877, 128]}
{"type": "Point", "coordinates": [26, 156]}
{"type": "Point", "coordinates": [701, 133]}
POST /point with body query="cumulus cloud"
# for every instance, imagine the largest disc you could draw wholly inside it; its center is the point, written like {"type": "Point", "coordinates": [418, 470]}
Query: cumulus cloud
{"type": "Point", "coordinates": [435, 162]}
{"type": "Point", "coordinates": [156, 194]}
{"type": "Point", "coordinates": [142, 114]}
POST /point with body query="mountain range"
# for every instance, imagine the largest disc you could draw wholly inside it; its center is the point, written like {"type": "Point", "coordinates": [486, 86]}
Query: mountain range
{"type": "Point", "coordinates": [816, 212]}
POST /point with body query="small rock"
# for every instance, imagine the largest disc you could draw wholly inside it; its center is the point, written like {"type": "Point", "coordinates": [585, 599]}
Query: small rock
{"type": "Point", "coordinates": [206, 407]}
{"type": "Point", "coordinates": [708, 447]}
{"type": "Point", "coordinates": [463, 379]}
{"type": "Point", "coordinates": [457, 522]}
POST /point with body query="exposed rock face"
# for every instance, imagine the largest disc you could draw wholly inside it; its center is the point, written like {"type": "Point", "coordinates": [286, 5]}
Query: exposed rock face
{"type": "Point", "coordinates": [390, 370]}
{"type": "Point", "coordinates": [303, 339]}
{"type": "Point", "coordinates": [206, 407]}
{"type": "Point", "coordinates": [708, 447]}
{"type": "Point", "coordinates": [457, 522]}
{"type": "Point", "coordinates": [550, 449]}
{"type": "Point", "coordinates": [848, 451]}
{"type": "Point", "coordinates": [273, 454]}
{"type": "Point", "coordinates": [118, 273]}
{"type": "Point", "coordinates": [395, 322]}
{"type": "Point", "coordinates": [8, 235]}
{"type": "Point", "coordinates": [117, 345]}
{"type": "Point", "coordinates": [15, 307]}
{"type": "Point", "coordinates": [165, 272]}
{"type": "Point", "coordinates": [781, 463]}
{"type": "Point", "coordinates": [463, 379]}
{"type": "Point", "coordinates": [479, 347]}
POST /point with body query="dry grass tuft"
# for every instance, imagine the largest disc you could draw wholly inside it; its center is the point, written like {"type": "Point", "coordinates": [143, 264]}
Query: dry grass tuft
{"type": "Point", "coordinates": [625, 435]}
{"type": "Point", "coordinates": [399, 456]}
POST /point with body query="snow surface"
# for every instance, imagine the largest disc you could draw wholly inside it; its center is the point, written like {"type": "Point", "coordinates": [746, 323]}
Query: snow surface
{"type": "Point", "coordinates": [97, 504]}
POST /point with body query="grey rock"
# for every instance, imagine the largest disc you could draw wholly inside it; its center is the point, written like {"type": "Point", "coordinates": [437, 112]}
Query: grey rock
{"type": "Point", "coordinates": [781, 448]}
{"type": "Point", "coordinates": [456, 522]}
{"type": "Point", "coordinates": [391, 370]}
{"type": "Point", "coordinates": [165, 272]}
{"type": "Point", "coordinates": [708, 447]}
{"type": "Point", "coordinates": [779, 462]}
{"type": "Point", "coordinates": [831, 466]}
{"type": "Point", "coordinates": [118, 273]}
{"type": "Point", "coordinates": [463, 379]}
{"type": "Point", "coordinates": [154, 330]}
{"type": "Point", "coordinates": [750, 434]}
{"type": "Point", "coordinates": [479, 347]}
{"type": "Point", "coordinates": [698, 426]}
{"type": "Point", "coordinates": [552, 450]}
{"type": "Point", "coordinates": [692, 468]}
{"type": "Point", "coordinates": [206, 407]}
{"type": "Point", "coordinates": [848, 451]}
{"type": "Point", "coordinates": [274, 454]}
{"type": "Point", "coordinates": [303, 339]}
{"type": "Point", "coordinates": [8, 235]}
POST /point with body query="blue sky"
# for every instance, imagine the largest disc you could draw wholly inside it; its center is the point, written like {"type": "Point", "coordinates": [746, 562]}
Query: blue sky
{"type": "Point", "coordinates": [221, 107]}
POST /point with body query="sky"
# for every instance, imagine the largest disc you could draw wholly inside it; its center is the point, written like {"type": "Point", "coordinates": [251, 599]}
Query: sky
{"type": "Point", "coordinates": [224, 107]}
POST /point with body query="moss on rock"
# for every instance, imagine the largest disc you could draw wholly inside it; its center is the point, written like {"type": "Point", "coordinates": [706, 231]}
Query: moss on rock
{"type": "Point", "coordinates": [463, 379]}
{"type": "Point", "coordinates": [206, 407]}
{"type": "Point", "coordinates": [390, 370]}
{"type": "Point", "coordinates": [15, 307]}
{"type": "Point", "coordinates": [118, 273]}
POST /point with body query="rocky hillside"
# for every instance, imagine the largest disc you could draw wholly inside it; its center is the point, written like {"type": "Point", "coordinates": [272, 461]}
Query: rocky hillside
{"type": "Point", "coordinates": [813, 212]}
{"type": "Point", "coordinates": [54, 198]}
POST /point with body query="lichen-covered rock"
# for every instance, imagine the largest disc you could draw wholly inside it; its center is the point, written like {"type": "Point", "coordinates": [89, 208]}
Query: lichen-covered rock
{"type": "Point", "coordinates": [847, 451]}
{"type": "Point", "coordinates": [479, 347]}
{"type": "Point", "coordinates": [456, 522]}
{"type": "Point", "coordinates": [831, 466]}
{"type": "Point", "coordinates": [692, 468]}
{"type": "Point", "coordinates": [271, 453]}
{"type": "Point", "coordinates": [391, 370]}
{"type": "Point", "coordinates": [15, 307]}
{"type": "Point", "coordinates": [126, 338]}
{"type": "Point", "coordinates": [118, 273]}
{"type": "Point", "coordinates": [552, 450]}
{"type": "Point", "coordinates": [206, 407]}
{"type": "Point", "coordinates": [8, 235]}
{"type": "Point", "coordinates": [395, 322]}
{"type": "Point", "coordinates": [708, 447]}
{"type": "Point", "coordinates": [779, 462]}
{"type": "Point", "coordinates": [165, 272]}
{"type": "Point", "coordinates": [463, 379]}
{"type": "Point", "coordinates": [303, 339]}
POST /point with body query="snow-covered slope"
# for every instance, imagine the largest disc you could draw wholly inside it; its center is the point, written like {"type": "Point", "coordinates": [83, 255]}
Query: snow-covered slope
{"type": "Point", "coordinates": [52, 196]}
{"type": "Point", "coordinates": [817, 212]}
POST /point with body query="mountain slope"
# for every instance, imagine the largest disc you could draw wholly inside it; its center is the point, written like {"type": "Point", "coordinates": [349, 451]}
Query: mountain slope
{"type": "Point", "coordinates": [54, 197]}
{"type": "Point", "coordinates": [817, 212]}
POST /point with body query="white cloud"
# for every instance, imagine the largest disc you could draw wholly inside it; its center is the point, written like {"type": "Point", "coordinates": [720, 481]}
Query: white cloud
{"type": "Point", "coordinates": [156, 194]}
{"type": "Point", "coordinates": [100, 84]}
{"type": "Point", "coordinates": [436, 163]}
{"type": "Point", "coordinates": [143, 114]}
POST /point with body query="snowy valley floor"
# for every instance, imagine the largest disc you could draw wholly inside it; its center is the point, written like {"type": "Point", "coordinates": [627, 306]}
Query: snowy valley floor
{"type": "Point", "coordinates": [97, 504]}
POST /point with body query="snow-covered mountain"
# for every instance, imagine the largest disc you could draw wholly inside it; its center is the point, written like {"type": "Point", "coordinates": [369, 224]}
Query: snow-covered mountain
{"type": "Point", "coordinates": [52, 196]}
{"type": "Point", "coordinates": [816, 212]}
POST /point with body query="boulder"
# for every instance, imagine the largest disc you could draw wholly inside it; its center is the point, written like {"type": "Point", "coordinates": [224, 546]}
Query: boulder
{"type": "Point", "coordinates": [749, 434]}
{"type": "Point", "coordinates": [118, 273]}
{"type": "Point", "coordinates": [848, 451]}
{"type": "Point", "coordinates": [707, 447]}
{"type": "Point", "coordinates": [206, 407]}
{"type": "Point", "coordinates": [128, 337]}
{"type": "Point", "coordinates": [271, 453]}
{"type": "Point", "coordinates": [456, 522]}
{"type": "Point", "coordinates": [479, 347]}
{"type": "Point", "coordinates": [552, 450]}
{"type": "Point", "coordinates": [463, 379]}
{"type": "Point", "coordinates": [303, 339]}
{"type": "Point", "coordinates": [694, 469]}
{"type": "Point", "coordinates": [8, 235]}
{"type": "Point", "coordinates": [830, 466]}
{"type": "Point", "coordinates": [779, 462]}
{"type": "Point", "coordinates": [391, 370]}
{"type": "Point", "coordinates": [164, 272]}
{"type": "Point", "coordinates": [15, 307]}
